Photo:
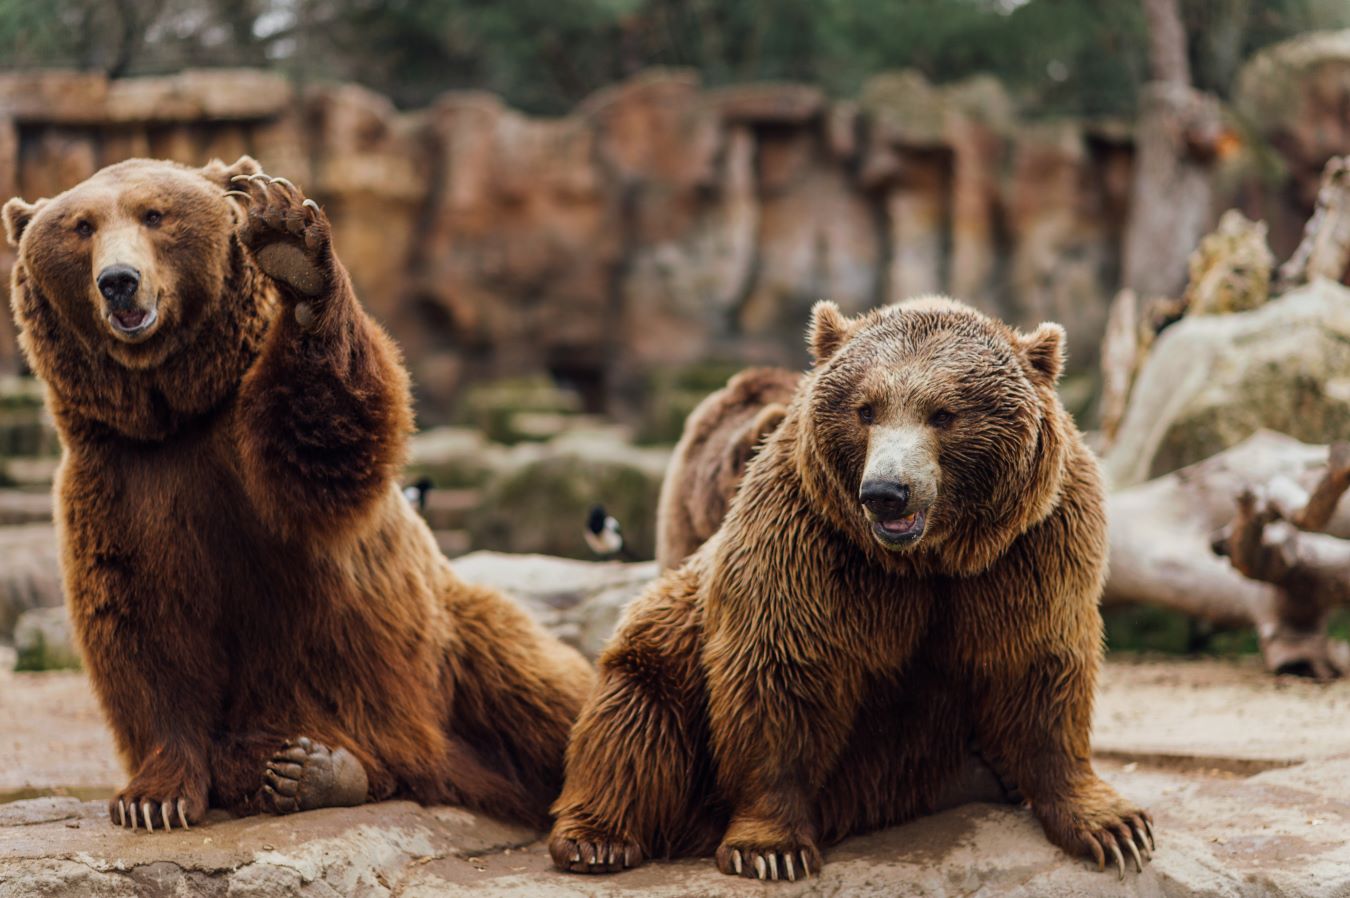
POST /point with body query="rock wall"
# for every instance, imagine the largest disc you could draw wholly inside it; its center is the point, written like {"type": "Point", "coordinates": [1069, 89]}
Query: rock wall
{"type": "Point", "coordinates": [660, 225]}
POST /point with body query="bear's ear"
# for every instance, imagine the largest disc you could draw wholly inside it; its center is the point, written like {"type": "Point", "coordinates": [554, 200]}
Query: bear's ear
{"type": "Point", "coordinates": [18, 215]}
{"type": "Point", "coordinates": [218, 171]}
{"type": "Point", "coordinates": [828, 331]}
{"type": "Point", "coordinates": [1043, 350]}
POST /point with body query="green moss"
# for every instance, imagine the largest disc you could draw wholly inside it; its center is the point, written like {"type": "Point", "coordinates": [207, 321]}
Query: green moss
{"type": "Point", "coordinates": [38, 656]}
{"type": "Point", "coordinates": [670, 394]}
{"type": "Point", "coordinates": [502, 408]}
{"type": "Point", "coordinates": [542, 506]}
{"type": "Point", "coordinates": [1150, 629]}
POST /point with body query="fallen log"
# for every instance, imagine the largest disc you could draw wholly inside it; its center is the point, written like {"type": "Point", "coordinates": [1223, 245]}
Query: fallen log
{"type": "Point", "coordinates": [1165, 532]}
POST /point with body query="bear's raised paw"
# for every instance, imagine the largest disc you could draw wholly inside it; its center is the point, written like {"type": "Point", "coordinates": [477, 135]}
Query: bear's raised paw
{"type": "Point", "coordinates": [287, 233]}
{"type": "Point", "coordinates": [306, 775]}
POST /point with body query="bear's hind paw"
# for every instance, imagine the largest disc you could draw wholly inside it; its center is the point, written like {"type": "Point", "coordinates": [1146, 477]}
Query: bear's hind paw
{"type": "Point", "coordinates": [305, 775]}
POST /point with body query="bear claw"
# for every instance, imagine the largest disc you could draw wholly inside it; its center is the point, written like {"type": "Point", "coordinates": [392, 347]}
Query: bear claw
{"type": "Point", "coordinates": [1133, 833]}
{"type": "Point", "coordinates": [135, 815]}
{"type": "Point", "coordinates": [767, 866]}
{"type": "Point", "coordinates": [594, 853]}
{"type": "Point", "coordinates": [286, 232]}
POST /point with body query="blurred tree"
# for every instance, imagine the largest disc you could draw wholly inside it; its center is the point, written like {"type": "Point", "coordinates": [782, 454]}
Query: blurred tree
{"type": "Point", "coordinates": [1059, 56]}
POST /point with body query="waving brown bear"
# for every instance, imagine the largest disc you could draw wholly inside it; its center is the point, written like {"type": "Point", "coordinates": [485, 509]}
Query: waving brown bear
{"type": "Point", "coordinates": [912, 563]}
{"type": "Point", "coordinates": [267, 623]}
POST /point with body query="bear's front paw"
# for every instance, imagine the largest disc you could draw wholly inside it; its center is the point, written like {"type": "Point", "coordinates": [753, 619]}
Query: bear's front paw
{"type": "Point", "coordinates": [1106, 833]}
{"type": "Point", "coordinates": [789, 860]}
{"type": "Point", "coordinates": [578, 848]}
{"type": "Point", "coordinates": [288, 234]}
{"type": "Point", "coordinates": [158, 804]}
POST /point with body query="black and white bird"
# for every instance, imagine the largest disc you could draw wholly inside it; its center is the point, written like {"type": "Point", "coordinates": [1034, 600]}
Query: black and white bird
{"type": "Point", "coordinates": [603, 534]}
{"type": "Point", "coordinates": [416, 493]}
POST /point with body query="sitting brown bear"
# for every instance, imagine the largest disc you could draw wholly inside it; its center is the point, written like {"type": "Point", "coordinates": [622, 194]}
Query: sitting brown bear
{"type": "Point", "coordinates": [268, 624]}
{"type": "Point", "coordinates": [912, 563]}
{"type": "Point", "coordinates": [720, 437]}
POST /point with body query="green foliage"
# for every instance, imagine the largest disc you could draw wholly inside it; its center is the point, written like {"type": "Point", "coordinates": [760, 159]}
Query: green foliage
{"type": "Point", "coordinates": [1059, 56]}
{"type": "Point", "coordinates": [1146, 628]}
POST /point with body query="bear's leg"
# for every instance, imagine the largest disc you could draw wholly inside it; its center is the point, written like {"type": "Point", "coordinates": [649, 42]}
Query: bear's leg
{"type": "Point", "coordinates": [325, 412]}
{"type": "Point", "coordinates": [1035, 725]}
{"type": "Point", "coordinates": [639, 770]}
{"type": "Point", "coordinates": [160, 681]}
{"type": "Point", "coordinates": [779, 720]}
{"type": "Point", "coordinates": [515, 692]}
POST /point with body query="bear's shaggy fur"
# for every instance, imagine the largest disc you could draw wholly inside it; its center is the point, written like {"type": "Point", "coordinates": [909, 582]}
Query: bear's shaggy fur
{"type": "Point", "coordinates": [267, 623]}
{"type": "Point", "coordinates": [720, 437]}
{"type": "Point", "coordinates": [820, 668]}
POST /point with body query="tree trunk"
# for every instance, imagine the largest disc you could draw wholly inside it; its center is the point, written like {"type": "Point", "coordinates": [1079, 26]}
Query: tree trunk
{"type": "Point", "coordinates": [1176, 140]}
{"type": "Point", "coordinates": [1167, 60]}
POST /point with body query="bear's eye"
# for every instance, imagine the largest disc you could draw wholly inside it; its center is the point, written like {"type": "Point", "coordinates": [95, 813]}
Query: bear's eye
{"type": "Point", "coordinates": [84, 228]}
{"type": "Point", "coordinates": [152, 218]}
{"type": "Point", "coordinates": [942, 418]}
{"type": "Point", "coordinates": [866, 414]}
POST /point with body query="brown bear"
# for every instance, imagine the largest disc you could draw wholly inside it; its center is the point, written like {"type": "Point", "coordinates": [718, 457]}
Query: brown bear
{"type": "Point", "coordinates": [265, 619]}
{"type": "Point", "coordinates": [720, 437]}
{"type": "Point", "coordinates": [910, 568]}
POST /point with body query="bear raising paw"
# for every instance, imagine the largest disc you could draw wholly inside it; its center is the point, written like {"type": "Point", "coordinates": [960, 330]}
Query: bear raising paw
{"type": "Point", "coordinates": [221, 394]}
{"type": "Point", "coordinates": [289, 236]}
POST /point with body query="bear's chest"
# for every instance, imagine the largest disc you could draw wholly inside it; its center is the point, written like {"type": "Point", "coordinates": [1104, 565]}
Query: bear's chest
{"type": "Point", "coordinates": [164, 523]}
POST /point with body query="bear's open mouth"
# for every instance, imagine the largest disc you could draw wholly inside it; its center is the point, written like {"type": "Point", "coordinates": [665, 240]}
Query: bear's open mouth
{"type": "Point", "coordinates": [901, 531]}
{"type": "Point", "coordinates": [132, 323]}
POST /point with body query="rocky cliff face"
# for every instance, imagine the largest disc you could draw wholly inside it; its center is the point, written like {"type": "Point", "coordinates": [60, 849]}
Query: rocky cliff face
{"type": "Point", "coordinates": [659, 225]}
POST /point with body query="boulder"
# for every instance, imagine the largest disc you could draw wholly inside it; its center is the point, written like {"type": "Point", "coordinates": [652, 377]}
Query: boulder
{"type": "Point", "coordinates": [43, 641]}
{"type": "Point", "coordinates": [451, 457]}
{"type": "Point", "coordinates": [22, 507]}
{"type": "Point", "coordinates": [30, 574]}
{"type": "Point", "coordinates": [580, 602]}
{"type": "Point", "coordinates": [1211, 381]}
{"type": "Point", "coordinates": [1294, 95]}
{"type": "Point", "coordinates": [503, 409]}
{"type": "Point", "coordinates": [539, 500]}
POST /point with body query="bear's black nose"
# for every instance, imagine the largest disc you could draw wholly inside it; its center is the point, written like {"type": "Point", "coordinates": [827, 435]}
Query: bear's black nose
{"type": "Point", "coordinates": [118, 283]}
{"type": "Point", "coordinates": [886, 499]}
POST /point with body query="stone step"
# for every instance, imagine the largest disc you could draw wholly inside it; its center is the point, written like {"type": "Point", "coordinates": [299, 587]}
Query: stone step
{"type": "Point", "coordinates": [450, 509]}
{"type": "Point", "coordinates": [28, 471]}
{"type": "Point", "coordinates": [24, 507]}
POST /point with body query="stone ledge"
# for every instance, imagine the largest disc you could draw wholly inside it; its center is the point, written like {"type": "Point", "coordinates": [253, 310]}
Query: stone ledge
{"type": "Point", "coordinates": [1278, 833]}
